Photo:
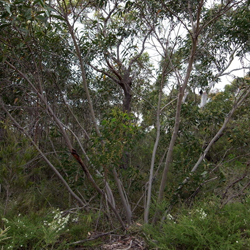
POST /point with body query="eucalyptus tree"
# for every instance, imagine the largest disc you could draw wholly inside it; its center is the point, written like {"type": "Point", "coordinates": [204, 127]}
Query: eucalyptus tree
{"type": "Point", "coordinates": [30, 61]}
{"type": "Point", "coordinates": [35, 72]}
{"type": "Point", "coordinates": [115, 40]}
{"type": "Point", "coordinates": [220, 49]}
{"type": "Point", "coordinates": [112, 41]}
{"type": "Point", "coordinates": [182, 37]}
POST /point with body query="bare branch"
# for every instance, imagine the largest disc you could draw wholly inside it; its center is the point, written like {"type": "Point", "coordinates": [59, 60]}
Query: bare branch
{"type": "Point", "coordinates": [142, 49]}
{"type": "Point", "coordinates": [43, 99]}
{"type": "Point", "coordinates": [105, 73]}
{"type": "Point", "coordinates": [42, 154]}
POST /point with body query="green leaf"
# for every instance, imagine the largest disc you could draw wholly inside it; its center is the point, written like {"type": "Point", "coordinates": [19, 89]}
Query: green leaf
{"type": "Point", "coordinates": [7, 7]}
{"type": "Point", "coordinates": [4, 25]}
{"type": "Point", "coordinates": [58, 17]}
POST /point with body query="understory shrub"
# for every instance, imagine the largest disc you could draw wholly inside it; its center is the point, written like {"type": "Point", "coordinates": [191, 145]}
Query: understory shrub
{"type": "Point", "coordinates": [34, 231]}
{"type": "Point", "coordinates": [47, 229]}
{"type": "Point", "coordinates": [206, 226]}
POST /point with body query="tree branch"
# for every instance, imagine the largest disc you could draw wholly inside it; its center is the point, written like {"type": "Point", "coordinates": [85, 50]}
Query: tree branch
{"type": "Point", "coordinates": [42, 154]}
{"type": "Point", "coordinates": [218, 134]}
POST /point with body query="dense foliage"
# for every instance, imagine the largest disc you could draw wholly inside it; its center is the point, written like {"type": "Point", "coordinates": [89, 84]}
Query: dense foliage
{"type": "Point", "coordinates": [112, 116]}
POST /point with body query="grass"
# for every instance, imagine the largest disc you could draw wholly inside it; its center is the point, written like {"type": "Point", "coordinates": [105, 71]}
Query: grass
{"type": "Point", "coordinates": [205, 226]}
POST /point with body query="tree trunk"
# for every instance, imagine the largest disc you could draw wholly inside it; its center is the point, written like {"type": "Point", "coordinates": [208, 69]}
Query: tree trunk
{"type": "Point", "coordinates": [150, 181]}
{"type": "Point", "coordinates": [127, 102]}
{"type": "Point", "coordinates": [126, 84]}
{"type": "Point", "coordinates": [182, 88]}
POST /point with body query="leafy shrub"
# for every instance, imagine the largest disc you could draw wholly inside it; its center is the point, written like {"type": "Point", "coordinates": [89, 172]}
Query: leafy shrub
{"type": "Point", "coordinates": [34, 232]}
{"type": "Point", "coordinates": [206, 226]}
{"type": "Point", "coordinates": [51, 229]}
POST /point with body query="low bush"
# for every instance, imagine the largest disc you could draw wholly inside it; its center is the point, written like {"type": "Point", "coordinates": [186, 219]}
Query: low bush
{"type": "Point", "coordinates": [51, 229]}
{"type": "Point", "coordinates": [206, 226]}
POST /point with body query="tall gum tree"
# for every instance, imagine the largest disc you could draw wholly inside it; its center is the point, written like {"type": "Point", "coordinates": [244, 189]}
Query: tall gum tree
{"type": "Point", "coordinates": [117, 37]}
{"type": "Point", "coordinates": [30, 72]}
{"type": "Point", "coordinates": [75, 15]}
{"type": "Point", "coordinates": [191, 17]}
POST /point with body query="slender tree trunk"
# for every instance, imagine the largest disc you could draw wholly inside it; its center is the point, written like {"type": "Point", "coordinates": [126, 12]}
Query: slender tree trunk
{"type": "Point", "coordinates": [177, 122]}
{"type": "Point", "coordinates": [83, 73]}
{"type": "Point", "coordinates": [124, 198]}
{"type": "Point", "coordinates": [158, 126]}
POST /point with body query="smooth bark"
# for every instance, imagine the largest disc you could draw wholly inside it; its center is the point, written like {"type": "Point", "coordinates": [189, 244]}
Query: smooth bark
{"type": "Point", "coordinates": [124, 198]}
{"type": "Point", "coordinates": [177, 122]}
{"type": "Point", "coordinates": [151, 174]}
